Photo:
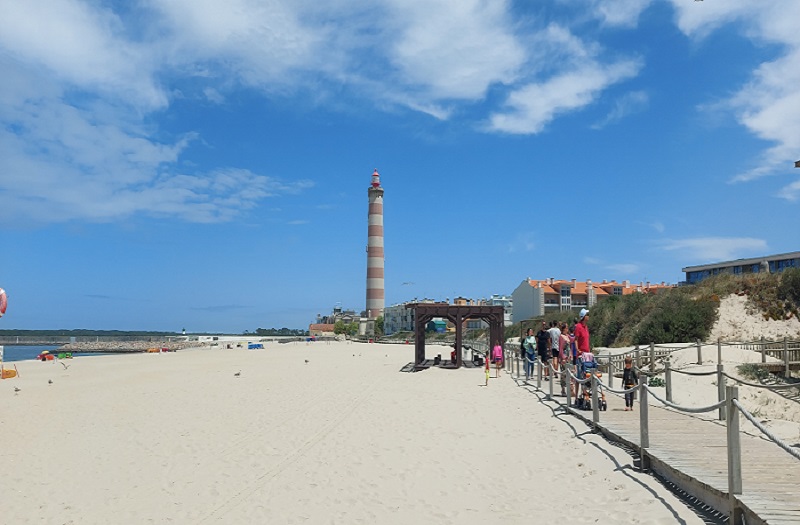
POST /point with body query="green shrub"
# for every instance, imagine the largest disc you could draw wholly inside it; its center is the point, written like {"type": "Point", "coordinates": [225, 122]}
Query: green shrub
{"type": "Point", "coordinates": [752, 371]}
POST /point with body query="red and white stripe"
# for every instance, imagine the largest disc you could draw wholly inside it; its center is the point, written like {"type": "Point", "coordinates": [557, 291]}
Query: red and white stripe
{"type": "Point", "coordinates": [375, 259]}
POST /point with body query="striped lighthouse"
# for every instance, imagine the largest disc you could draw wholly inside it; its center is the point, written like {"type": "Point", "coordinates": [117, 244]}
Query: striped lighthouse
{"type": "Point", "coordinates": [375, 291]}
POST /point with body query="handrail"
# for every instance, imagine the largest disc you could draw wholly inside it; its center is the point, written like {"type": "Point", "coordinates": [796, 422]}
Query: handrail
{"type": "Point", "coordinates": [727, 405]}
{"type": "Point", "coordinates": [794, 452]}
{"type": "Point", "coordinates": [757, 385]}
{"type": "Point", "coordinates": [691, 410]}
{"type": "Point", "coordinates": [696, 374]}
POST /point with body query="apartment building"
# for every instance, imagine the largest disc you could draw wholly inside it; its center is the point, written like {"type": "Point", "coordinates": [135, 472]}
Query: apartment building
{"type": "Point", "coordinates": [766, 264]}
{"type": "Point", "coordinates": [533, 298]}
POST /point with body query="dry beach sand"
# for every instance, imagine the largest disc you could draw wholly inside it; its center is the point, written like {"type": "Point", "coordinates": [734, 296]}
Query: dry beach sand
{"type": "Point", "coordinates": [343, 438]}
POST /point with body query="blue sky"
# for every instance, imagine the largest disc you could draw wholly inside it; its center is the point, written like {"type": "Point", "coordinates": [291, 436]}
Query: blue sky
{"type": "Point", "coordinates": [203, 164]}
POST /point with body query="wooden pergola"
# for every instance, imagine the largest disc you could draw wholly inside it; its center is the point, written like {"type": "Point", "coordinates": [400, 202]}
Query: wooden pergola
{"type": "Point", "coordinates": [456, 314]}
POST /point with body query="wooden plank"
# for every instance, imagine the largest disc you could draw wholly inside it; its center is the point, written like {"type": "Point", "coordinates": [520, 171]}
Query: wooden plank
{"type": "Point", "coordinates": [769, 481]}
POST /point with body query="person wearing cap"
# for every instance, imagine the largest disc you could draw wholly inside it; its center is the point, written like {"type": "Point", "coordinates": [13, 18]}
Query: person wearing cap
{"type": "Point", "coordinates": [581, 341]}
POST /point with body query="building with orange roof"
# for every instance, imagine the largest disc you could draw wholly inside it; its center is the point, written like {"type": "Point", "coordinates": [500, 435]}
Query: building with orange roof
{"type": "Point", "coordinates": [533, 298]}
{"type": "Point", "coordinates": [320, 329]}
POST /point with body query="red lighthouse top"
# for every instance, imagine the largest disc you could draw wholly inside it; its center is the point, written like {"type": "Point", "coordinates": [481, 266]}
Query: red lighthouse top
{"type": "Point", "coordinates": [376, 179]}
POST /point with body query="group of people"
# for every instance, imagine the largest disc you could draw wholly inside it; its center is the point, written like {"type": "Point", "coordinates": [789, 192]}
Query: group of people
{"type": "Point", "coordinates": [557, 345]}
{"type": "Point", "coordinates": [560, 345]}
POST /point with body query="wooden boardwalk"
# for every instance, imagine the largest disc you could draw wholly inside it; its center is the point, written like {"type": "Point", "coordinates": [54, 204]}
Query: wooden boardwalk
{"type": "Point", "coordinates": [691, 452]}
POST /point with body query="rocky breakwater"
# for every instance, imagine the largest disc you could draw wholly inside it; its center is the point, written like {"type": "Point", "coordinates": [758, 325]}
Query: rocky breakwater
{"type": "Point", "coordinates": [123, 347]}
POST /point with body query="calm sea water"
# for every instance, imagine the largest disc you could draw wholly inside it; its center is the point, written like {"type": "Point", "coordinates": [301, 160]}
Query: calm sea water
{"type": "Point", "coordinates": [22, 353]}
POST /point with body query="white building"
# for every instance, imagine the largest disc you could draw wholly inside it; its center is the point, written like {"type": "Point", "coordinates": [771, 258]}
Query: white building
{"type": "Point", "coordinates": [508, 306]}
{"type": "Point", "coordinates": [398, 318]}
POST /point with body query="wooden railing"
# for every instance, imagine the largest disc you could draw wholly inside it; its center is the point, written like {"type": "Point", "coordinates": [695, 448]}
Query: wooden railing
{"type": "Point", "coordinates": [728, 406]}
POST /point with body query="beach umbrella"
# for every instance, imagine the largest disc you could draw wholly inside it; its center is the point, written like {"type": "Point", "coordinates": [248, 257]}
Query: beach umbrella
{"type": "Point", "coordinates": [3, 302]}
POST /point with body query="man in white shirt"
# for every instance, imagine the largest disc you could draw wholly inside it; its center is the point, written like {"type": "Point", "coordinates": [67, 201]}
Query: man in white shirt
{"type": "Point", "coordinates": [555, 335]}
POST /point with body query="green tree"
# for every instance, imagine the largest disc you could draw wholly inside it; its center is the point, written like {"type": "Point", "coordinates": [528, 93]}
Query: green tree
{"type": "Point", "coordinates": [351, 329]}
{"type": "Point", "coordinates": [379, 326]}
{"type": "Point", "coordinates": [339, 327]}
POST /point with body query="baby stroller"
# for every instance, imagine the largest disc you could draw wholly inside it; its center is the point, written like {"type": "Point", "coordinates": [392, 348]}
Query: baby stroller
{"type": "Point", "coordinates": [584, 401]}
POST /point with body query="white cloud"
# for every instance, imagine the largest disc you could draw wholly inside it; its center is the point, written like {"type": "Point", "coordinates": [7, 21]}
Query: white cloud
{"type": "Point", "coordinates": [628, 104]}
{"type": "Point", "coordinates": [81, 44]}
{"type": "Point", "coordinates": [532, 107]}
{"type": "Point", "coordinates": [791, 192]}
{"type": "Point", "coordinates": [84, 84]}
{"type": "Point", "coordinates": [715, 248]}
{"type": "Point", "coordinates": [261, 43]}
{"type": "Point", "coordinates": [769, 105]}
{"type": "Point", "coordinates": [454, 48]}
{"type": "Point", "coordinates": [619, 12]}
{"type": "Point", "coordinates": [624, 268]}
{"type": "Point", "coordinates": [523, 242]}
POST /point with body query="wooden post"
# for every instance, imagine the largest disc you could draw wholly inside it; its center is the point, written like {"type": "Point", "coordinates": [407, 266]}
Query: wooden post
{"type": "Point", "coordinates": [652, 358]}
{"type": "Point", "coordinates": [721, 391]}
{"type": "Point", "coordinates": [763, 350]}
{"type": "Point", "coordinates": [644, 429]}
{"type": "Point", "coordinates": [668, 379]}
{"type": "Point", "coordinates": [699, 353]}
{"type": "Point", "coordinates": [638, 358]}
{"type": "Point", "coordinates": [786, 372]}
{"type": "Point", "coordinates": [552, 380]}
{"type": "Point", "coordinates": [719, 351]}
{"type": "Point", "coordinates": [569, 387]}
{"type": "Point", "coordinates": [538, 373]}
{"type": "Point", "coordinates": [595, 401]}
{"type": "Point", "coordinates": [611, 372]}
{"type": "Point", "coordinates": [734, 455]}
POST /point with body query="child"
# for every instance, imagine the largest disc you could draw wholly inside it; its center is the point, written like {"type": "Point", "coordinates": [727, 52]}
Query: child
{"type": "Point", "coordinates": [487, 373]}
{"type": "Point", "coordinates": [629, 380]}
{"type": "Point", "coordinates": [497, 357]}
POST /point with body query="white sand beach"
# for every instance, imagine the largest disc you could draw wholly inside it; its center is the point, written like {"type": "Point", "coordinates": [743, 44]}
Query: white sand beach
{"type": "Point", "coordinates": [343, 439]}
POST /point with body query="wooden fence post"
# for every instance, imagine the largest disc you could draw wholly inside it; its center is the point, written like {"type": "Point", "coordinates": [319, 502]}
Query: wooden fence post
{"type": "Point", "coordinates": [644, 429]}
{"type": "Point", "coordinates": [763, 350]}
{"type": "Point", "coordinates": [734, 455]}
{"type": "Point", "coordinates": [786, 372]}
{"type": "Point", "coordinates": [552, 380]}
{"type": "Point", "coordinates": [652, 358]}
{"type": "Point", "coordinates": [699, 353]}
{"type": "Point", "coordinates": [568, 367]}
{"type": "Point", "coordinates": [610, 372]}
{"type": "Point", "coordinates": [668, 379]}
{"type": "Point", "coordinates": [719, 351]}
{"type": "Point", "coordinates": [721, 391]}
{"type": "Point", "coordinates": [638, 358]}
{"type": "Point", "coordinates": [538, 373]}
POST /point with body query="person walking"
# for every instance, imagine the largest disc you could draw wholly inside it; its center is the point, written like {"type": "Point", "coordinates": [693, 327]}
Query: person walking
{"type": "Point", "coordinates": [555, 337]}
{"type": "Point", "coordinates": [497, 357]}
{"type": "Point", "coordinates": [629, 380]}
{"type": "Point", "coordinates": [582, 343]}
{"type": "Point", "coordinates": [564, 355]}
{"type": "Point", "coordinates": [529, 354]}
{"type": "Point", "coordinates": [543, 347]}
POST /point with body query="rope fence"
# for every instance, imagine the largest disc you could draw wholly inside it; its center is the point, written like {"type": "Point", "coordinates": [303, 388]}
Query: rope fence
{"type": "Point", "coordinates": [747, 415]}
{"type": "Point", "coordinates": [728, 406]}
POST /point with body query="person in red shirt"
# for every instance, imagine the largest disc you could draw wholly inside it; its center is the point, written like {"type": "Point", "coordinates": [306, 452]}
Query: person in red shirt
{"type": "Point", "coordinates": [582, 332]}
{"type": "Point", "coordinates": [582, 344]}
